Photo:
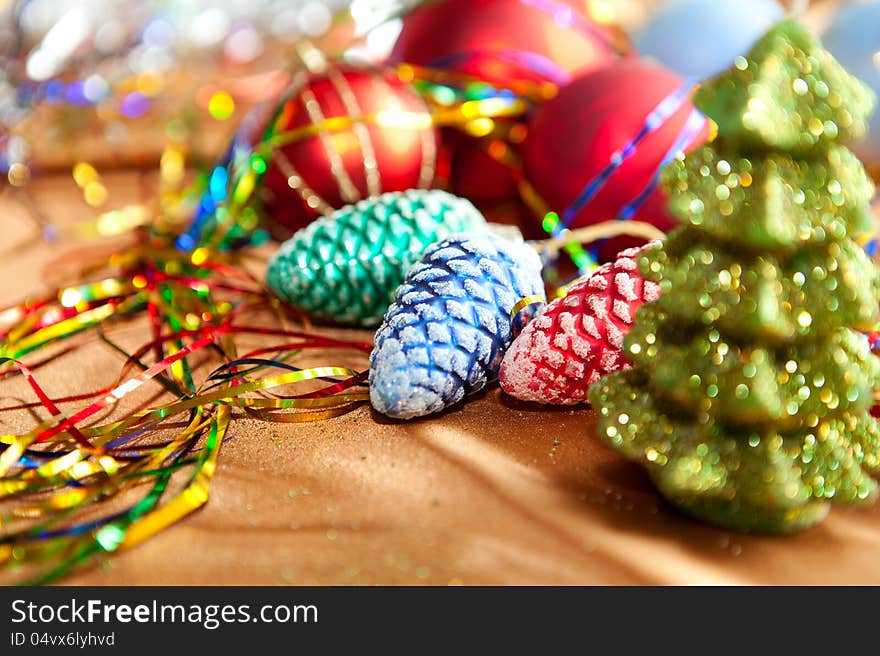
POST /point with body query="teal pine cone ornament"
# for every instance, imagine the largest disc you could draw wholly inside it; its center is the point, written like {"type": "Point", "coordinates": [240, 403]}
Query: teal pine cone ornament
{"type": "Point", "coordinates": [748, 401]}
{"type": "Point", "coordinates": [345, 267]}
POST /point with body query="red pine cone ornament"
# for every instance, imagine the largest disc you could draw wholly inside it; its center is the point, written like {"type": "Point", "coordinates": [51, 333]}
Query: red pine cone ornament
{"type": "Point", "coordinates": [578, 338]}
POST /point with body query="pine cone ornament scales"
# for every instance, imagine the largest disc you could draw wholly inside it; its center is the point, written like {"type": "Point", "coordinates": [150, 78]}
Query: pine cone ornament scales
{"type": "Point", "coordinates": [450, 324]}
{"type": "Point", "coordinates": [578, 338]}
{"type": "Point", "coordinates": [345, 267]}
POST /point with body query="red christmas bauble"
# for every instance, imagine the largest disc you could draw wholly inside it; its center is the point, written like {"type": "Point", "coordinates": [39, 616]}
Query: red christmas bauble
{"type": "Point", "coordinates": [476, 175]}
{"type": "Point", "coordinates": [501, 41]}
{"type": "Point", "coordinates": [466, 168]}
{"type": "Point", "coordinates": [575, 136]}
{"type": "Point", "coordinates": [324, 166]}
{"type": "Point", "coordinates": [491, 187]}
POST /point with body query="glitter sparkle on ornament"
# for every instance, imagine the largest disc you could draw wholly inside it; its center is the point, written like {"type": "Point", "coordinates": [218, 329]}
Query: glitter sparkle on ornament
{"type": "Point", "coordinates": [450, 324]}
{"type": "Point", "coordinates": [578, 338]}
{"type": "Point", "coordinates": [749, 394]}
{"type": "Point", "coordinates": [345, 267]}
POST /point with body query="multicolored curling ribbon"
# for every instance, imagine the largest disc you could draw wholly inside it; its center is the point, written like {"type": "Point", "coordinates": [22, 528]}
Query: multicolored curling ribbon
{"type": "Point", "coordinates": [578, 338]}
{"type": "Point", "coordinates": [451, 322]}
{"type": "Point", "coordinates": [346, 266]}
{"type": "Point", "coordinates": [76, 489]}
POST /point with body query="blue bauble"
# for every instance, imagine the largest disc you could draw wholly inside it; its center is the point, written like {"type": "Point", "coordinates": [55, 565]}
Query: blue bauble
{"type": "Point", "coordinates": [854, 39]}
{"type": "Point", "coordinates": [700, 38]}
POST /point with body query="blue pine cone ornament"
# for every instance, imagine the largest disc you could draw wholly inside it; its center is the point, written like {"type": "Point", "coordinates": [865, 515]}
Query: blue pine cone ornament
{"type": "Point", "coordinates": [345, 267]}
{"type": "Point", "coordinates": [450, 324]}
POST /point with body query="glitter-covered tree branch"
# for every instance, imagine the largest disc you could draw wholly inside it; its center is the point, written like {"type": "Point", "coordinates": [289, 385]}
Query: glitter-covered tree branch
{"type": "Point", "coordinates": [748, 400]}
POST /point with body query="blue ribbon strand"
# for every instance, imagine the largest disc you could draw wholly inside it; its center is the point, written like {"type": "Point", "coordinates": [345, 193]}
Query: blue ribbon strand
{"type": "Point", "coordinates": [666, 108]}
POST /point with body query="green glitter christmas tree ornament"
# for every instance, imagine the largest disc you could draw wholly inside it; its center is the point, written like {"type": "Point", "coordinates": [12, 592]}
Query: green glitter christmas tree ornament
{"type": "Point", "coordinates": [748, 400]}
{"type": "Point", "coordinates": [346, 266]}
